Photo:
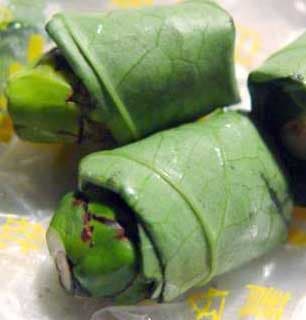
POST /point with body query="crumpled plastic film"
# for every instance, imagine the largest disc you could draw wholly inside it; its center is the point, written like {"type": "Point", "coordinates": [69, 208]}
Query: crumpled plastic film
{"type": "Point", "coordinates": [33, 178]}
{"type": "Point", "coordinates": [177, 311]}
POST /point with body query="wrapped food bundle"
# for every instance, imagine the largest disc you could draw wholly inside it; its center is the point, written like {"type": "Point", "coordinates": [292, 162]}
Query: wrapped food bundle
{"type": "Point", "coordinates": [166, 214]}
{"type": "Point", "coordinates": [278, 93]}
{"type": "Point", "coordinates": [124, 74]}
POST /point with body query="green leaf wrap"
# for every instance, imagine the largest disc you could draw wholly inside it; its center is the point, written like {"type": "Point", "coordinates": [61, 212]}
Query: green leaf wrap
{"type": "Point", "coordinates": [151, 68]}
{"type": "Point", "coordinates": [278, 91]}
{"type": "Point", "coordinates": [207, 196]}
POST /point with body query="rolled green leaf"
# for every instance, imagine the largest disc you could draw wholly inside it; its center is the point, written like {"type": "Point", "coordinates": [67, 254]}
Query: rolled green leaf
{"type": "Point", "coordinates": [194, 202]}
{"type": "Point", "coordinates": [144, 69]}
{"type": "Point", "coordinates": [278, 90]}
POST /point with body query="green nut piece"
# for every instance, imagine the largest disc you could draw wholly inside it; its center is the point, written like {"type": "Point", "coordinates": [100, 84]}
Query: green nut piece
{"type": "Point", "coordinates": [41, 106]}
{"type": "Point", "coordinates": [91, 249]}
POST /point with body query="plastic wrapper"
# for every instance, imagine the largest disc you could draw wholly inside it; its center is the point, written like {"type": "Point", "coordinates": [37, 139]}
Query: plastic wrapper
{"type": "Point", "coordinates": [33, 177]}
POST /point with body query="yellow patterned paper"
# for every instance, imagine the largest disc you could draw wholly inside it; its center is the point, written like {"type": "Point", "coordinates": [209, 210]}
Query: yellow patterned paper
{"type": "Point", "coordinates": [23, 233]}
{"type": "Point", "coordinates": [34, 51]}
{"type": "Point", "coordinates": [131, 3]}
{"type": "Point", "coordinates": [6, 125]}
{"type": "Point", "coordinates": [208, 305]}
{"type": "Point", "coordinates": [35, 47]}
{"type": "Point", "coordinates": [264, 303]}
{"type": "Point", "coordinates": [249, 44]}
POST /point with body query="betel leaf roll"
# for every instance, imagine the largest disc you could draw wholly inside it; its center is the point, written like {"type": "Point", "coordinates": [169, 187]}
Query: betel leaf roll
{"type": "Point", "coordinates": [124, 74]}
{"type": "Point", "coordinates": [278, 91]}
{"type": "Point", "coordinates": [169, 213]}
